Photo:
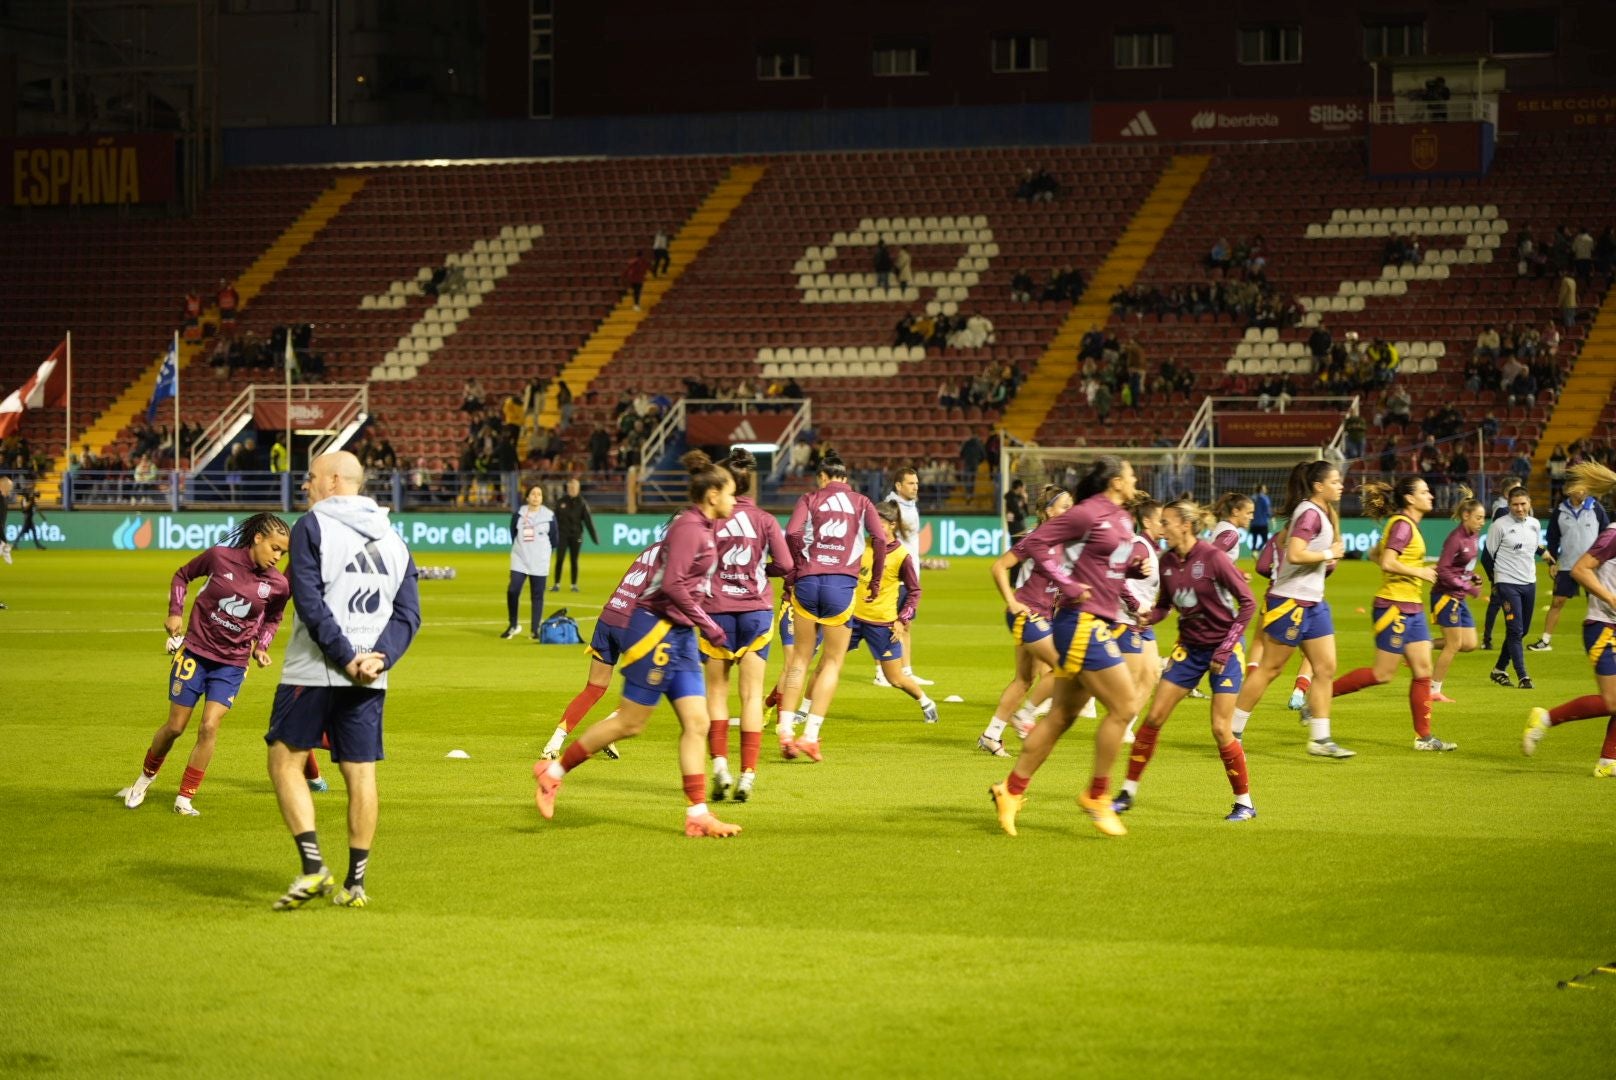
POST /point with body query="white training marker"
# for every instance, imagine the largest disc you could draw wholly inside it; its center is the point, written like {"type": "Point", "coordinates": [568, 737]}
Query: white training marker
{"type": "Point", "coordinates": [954, 699]}
{"type": "Point", "coordinates": [458, 755]}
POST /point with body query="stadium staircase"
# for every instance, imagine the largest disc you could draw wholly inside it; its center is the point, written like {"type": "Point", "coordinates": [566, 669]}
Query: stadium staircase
{"type": "Point", "coordinates": [1055, 368]}
{"type": "Point", "coordinates": [106, 428]}
{"type": "Point", "coordinates": [683, 247]}
{"type": "Point", "coordinates": [1585, 399]}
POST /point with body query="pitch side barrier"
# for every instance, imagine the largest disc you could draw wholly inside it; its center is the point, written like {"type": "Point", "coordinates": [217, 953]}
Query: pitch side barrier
{"type": "Point", "coordinates": [942, 536]}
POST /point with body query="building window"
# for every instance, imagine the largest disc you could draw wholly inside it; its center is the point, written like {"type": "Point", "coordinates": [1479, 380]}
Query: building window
{"type": "Point", "coordinates": [1020, 52]}
{"type": "Point", "coordinates": [1524, 33]}
{"type": "Point", "coordinates": [1270, 45]}
{"type": "Point", "coordinates": [1143, 49]}
{"type": "Point", "coordinates": [907, 58]}
{"type": "Point", "coordinates": [541, 60]}
{"type": "Point", "coordinates": [784, 64]}
{"type": "Point", "coordinates": [1393, 39]}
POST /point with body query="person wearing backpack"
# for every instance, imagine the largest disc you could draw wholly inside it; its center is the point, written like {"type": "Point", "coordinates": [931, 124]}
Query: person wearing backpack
{"type": "Point", "coordinates": [534, 535]}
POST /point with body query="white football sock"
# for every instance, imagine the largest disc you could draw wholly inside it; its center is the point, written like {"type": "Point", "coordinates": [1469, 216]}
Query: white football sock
{"type": "Point", "coordinates": [1240, 718]}
{"type": "Point", "coordinates": [788, 724]}
{"type": "Point", "coordinates": [720, 766]}
{"type": "Point", "coordinates": [1243, 800]}
{"type": "Point", "coordinates": [995, 729]}
{"type": "Point", "coordinates": [1131, 787]}
{"type": "Point", "coordinates": [1318, 729]}
{"type": "Point", "coordinates": [810, 729]}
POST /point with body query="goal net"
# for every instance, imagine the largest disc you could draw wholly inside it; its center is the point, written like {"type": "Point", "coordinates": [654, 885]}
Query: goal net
{"type": "Point", "coordinates": [1164, 473]}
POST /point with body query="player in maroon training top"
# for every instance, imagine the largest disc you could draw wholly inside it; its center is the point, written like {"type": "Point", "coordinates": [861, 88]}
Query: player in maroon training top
{"type": "Point", "coordinates": [1456, 581]}
{"type": "Point", "coordinates": [605, 646]}
{"type": "Point", "coordinates": [1199, 581]}
{"type": "Point", "coordinates": [660, 658]}
{"type": "Point", "coordinates": [234, 617]}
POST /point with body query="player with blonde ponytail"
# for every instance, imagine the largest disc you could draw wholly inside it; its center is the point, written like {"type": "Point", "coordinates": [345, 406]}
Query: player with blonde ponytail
{"type": "Point", "coordinates": [1401, 633]}
{"type": "Point", "coordinates": [1596, 572]}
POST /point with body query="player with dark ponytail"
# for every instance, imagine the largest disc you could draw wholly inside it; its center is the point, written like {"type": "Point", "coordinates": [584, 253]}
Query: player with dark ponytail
{"type": "Point", "coordinates": [661, 658]}
{"type": "Point", "coordinates": [234, 618]}
{"type": "Point", "coordinates": [1455, 581]}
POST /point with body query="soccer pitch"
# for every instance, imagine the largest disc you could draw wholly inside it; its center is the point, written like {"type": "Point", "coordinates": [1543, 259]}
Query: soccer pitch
{"type": "Point", "coordinates": [1397, 914]}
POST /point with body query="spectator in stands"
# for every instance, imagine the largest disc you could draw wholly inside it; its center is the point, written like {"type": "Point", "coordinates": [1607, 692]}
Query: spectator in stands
{"type": "Point", "coordinates": [1037, 186]}
{"type": "Point", "coordinates": [600, 448]}
{"type": "Point", "coordinates": [1521, 463]}
{"type": "Point", "coordinates": [1092, 344]}
{"type": "Point", "coordinates": [1488, 344]}
{"type": "Point", "coordinates": [1582, 254]}
{"type": "Point", "coordinates": [563, 403]}
{"type": "Point", "coordinates": [219, 358]}
{"type": "Point", "coordinates": [472, 396]}
{"type": "Point", "coordinates": [1356, 432]}
{"type": "Point", "coordinates": [533, 397]}
{"type": "Point", "coordinates": [659, 253]}
{"type": "Point", "coordinates": [634, 276]}
{"type": "Point", "coordinates": [1559, 461]}
{"type": "Point", "coordinates": [1065, 285]}
{"type": "Point", "coordinates": [1399, 408]}
{"type": "Point", "coordinates": [145, 477]}
{"type": "Point", "coordinates": [881, 261]}
{"type": "Point", "coordinates": [1021, 286]}
{"type": "Point", "coordinates": [280, 459]}
{"type": "Point", "coordinates": [229, 302]}
{"type": "Point", "coordinates": [1605, 252]}
{"type": "Point", "coordinates": [1458, 474]}
{"type": "Point", "coordinates": [1566, 298]}
{"type": "Point", "coordinates": [903, 268]}
{"type": "Point", "coordinates": [1102, 402]}
{"type": "Point", "coordinates": [191, 317]}
{"type": "Point", "coordinates": [1523, 389]}
{"type": "Point", "coordinates": [973, 451]}
{"type": "Point", "coordinates": [512, 416]}
{"type": "Point", "coordinates": [1319, 344]}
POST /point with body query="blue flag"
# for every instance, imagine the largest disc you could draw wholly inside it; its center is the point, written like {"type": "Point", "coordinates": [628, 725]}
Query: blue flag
{"type": "Point", "coordinates": [168, 382]}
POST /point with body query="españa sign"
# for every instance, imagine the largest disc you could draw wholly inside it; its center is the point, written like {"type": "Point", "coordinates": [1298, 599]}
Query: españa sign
{"type": "Point", "coordinates": [95, 170]}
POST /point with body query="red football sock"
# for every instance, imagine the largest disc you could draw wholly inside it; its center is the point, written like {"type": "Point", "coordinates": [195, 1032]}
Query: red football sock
{"type": "Point", "coordinates": [1419, 704]}
{"type": "Point", "coordinates": [1099, 786]}
{"type": "Point", "coordinates": [1608, 751]}
{"type": "Point", "coordinates": [695, 788]}
{"type": "Point", "coordinates": [1304, 683]}
{"type": "Point", "coordinates": [152, 763]}
{"type": "Point", "coordinates": [1017, 784]}
{"type": "Point", "coordinates": [311, 767]}
{"type": "Point", "coordinates": [718, 738]}
{"type": "Point", "coordinates": [190, 782]}
{"type": "Point", "coordinates": [1234, 764]}
{"type": "Point", "coordinates": [1583, 708]}
{"type": "Point", "coordinates": [1353, 681]}
{"type": "Point", "coordinates": [573, 756]}
{"type": "Point", "coordinates": [1144, 747]}
{"type": "Point", "coordinates": [751, 748]}
{"type": "Point", "coordinates": [325, 741]}
{"type": "Point", "coordinates": [579, 706]}
{"type": "Point", "coordinates": [773, 700]}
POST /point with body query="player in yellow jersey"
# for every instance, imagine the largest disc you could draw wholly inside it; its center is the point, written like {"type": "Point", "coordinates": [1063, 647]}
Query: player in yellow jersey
{"type": "Point", "coordinates": [1401, 632]}
{"type": "Point", "coordinates": [874, 622]}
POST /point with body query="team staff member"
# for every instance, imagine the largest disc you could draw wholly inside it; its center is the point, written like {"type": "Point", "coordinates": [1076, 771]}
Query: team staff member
{"type": "Point", "coordinates": [1262, 517]}
{"type": "Point", "coordinates": [235, 617]}
{"type": "Point", "coordinates": [1514, 543]}
{"type": "Point", "coordinates": [1595, 571]}
{"type": "Point", "coordinates": [1401, 632]}
{"type": "Point", "coordinates": [1214, 604]}
{"type": "Point", "coordinates": [533, 535]}
{"type": "Point", "coordinates": [358, 609]}
{"type": "Point", "coordinates": [1573, 528]}
{"type": "Point", "coordinates": [573, 517]}
{"type": "Point", "coordinates": [661, 659]}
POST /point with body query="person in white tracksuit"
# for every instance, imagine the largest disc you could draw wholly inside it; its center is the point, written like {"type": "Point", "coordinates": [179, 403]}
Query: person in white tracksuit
{"type": "Point", "coordinates": [534, 537]}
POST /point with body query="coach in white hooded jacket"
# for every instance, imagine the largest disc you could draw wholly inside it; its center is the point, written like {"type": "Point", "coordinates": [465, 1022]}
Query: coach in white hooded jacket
{"type": "Point", "coordinates": [906, 493]}
{"type": "Point", "coordinates": [358, 609]}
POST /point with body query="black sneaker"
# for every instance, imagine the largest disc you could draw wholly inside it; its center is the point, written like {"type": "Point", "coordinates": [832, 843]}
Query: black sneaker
{"type": "Point", "coordinates": [1500, 677]}
{"type": "Point", "coordinates": [512, 632]}
{"type": "Point", "coordinates": [1122, 803]}
{"type": "Point", "coordinates": [1525, 683]}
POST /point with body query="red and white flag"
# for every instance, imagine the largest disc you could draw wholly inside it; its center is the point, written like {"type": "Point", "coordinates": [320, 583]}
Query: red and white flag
{"type": "Point", "coordinates": [46, 387]}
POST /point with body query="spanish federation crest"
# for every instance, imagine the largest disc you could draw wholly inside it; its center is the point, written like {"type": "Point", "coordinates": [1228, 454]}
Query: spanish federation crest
{"type": "Point", "coordinates": [1198, 571]}
{"type": "Point", "coordinates": [1423, 149]}
{"type": "Point", "coordinates": [263, 590]}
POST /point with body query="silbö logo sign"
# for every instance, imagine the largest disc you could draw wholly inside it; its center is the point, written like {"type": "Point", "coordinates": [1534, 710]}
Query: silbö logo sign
{"type": "Point", "coordinates": [163, 532]}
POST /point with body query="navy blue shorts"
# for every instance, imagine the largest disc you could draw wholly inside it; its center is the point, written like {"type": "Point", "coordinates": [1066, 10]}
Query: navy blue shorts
{"type": "Point", "coordinates": [606, 643]}
{"type": "Point", "coordinates": [1187, 665]}
{"type": "Point", "coordinates": [660, 659]}
{"type": "Point", "coordinates": [744, 632]}
{"type": "Point", "coordinates": [824, 598]}
{"type": "Point", "coordinates": [192, 678]}
{"type": "Point", "coordinates": [1565, 585]}
{"type": "Point", "coordinates": [1290, 623]}
{"type": "Point", "coordinates": [1029, 628]}
{"type": "Point", "coordinates": [1451, 611]}
{"type": "Point", "coordinates": [882, 642]}
{"type": "Point", "coordinates": [1599, 639]}
{"type": "Point", "coordinates": [349, 716]}
{"type": "Point", "coordinates": [1083, 642]}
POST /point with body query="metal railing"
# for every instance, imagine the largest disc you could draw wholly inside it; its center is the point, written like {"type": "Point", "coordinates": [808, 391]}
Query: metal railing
{"type": "Point", "coordinates": [1420, 111]}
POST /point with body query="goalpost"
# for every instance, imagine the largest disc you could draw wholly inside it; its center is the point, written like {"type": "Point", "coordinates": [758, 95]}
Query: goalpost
{"type": "Point", "coordinates": [1164, 473]}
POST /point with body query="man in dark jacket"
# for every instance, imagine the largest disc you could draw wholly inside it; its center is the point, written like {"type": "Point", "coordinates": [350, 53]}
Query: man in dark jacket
{"type": "Point", "coordinates": [572, 517]}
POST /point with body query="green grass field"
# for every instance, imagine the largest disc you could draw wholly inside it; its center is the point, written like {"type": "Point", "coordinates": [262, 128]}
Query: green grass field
{"type": "Point", "coordinates": [1397, 914]}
